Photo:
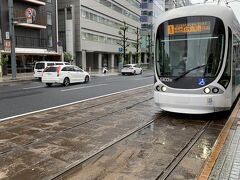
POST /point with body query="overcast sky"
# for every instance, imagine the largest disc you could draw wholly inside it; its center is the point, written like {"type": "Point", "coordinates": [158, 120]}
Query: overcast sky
{"type": "Point", "coordinates": [234, 4]}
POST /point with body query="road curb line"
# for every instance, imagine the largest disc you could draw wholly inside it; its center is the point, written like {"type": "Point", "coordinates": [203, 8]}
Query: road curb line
{"type": "Point", "coordinates": [73, 103]}
{"type": "Point", "coordinates": [208, 166]}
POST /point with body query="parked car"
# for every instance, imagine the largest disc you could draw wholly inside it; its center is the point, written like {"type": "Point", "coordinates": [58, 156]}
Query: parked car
{"type": "Point", "coordinates": [64, 74]}
{"type": "Point", "coordinates": [131, 69]}
{"type": "Point", "coordinates": [41, 65]}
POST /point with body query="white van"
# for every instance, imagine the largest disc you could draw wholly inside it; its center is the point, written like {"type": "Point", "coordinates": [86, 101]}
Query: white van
{"type": "Point", "coordinates": [41, 65]}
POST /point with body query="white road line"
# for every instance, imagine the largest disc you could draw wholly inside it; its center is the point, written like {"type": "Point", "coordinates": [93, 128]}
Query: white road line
{"type": "Point", "coordinates": [115, 78]}
{"type": "Point", "coordinates": [143, 78]}
{"type": "Point", "coordinates": [68, 104]}
{"type": "Point", "coordinates": [83, 87]}
{"type": "Point", "coordinates": [33, 87]}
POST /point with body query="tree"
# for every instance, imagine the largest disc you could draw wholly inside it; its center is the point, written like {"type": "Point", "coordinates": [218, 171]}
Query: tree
{"type": "Point", "coordinates": [124, 44]}
{"type": "Point", "coordinates": [3, 62]}
{"type": "Point", "coordinates": [137, 45]}
{"type": "Point", "coordinates": [150, 45]}
{"type": "Point", "coordinates": [3, 59]}
{"type": "Point", "coordinates": [68, 57]}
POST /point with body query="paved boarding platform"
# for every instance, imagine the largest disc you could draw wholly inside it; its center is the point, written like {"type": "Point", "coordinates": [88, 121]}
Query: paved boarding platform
{"type": "Point", "coordinates": [224, 161]}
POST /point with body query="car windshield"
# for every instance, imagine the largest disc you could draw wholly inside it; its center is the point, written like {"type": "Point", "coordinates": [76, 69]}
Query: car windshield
{"type": "Point", "coordinates": [40, 66]}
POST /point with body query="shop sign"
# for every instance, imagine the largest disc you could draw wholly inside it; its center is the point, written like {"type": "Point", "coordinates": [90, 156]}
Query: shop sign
{"type": "Point", "coordinates": [7, 45]}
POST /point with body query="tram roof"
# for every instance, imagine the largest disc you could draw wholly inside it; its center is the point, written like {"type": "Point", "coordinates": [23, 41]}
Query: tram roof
{"type": "Point", "coordinates": [222, 12]}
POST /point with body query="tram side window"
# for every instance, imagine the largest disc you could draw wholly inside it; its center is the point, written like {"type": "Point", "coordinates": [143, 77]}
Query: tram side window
{"type": "Point", "coordinates": [226, 76]}
{"type": "Point", "coordinates": [236, 60]}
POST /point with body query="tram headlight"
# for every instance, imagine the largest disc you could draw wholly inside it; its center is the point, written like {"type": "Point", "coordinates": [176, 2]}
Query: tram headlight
{"type": "Point", "coordinates": [158, 88]}
{"type": "Point", "coordinates": [215, 90]}
{"type": "Point", "coordinates": [163, 88]}
{"type": "Point", "coordinates": [207, 90]}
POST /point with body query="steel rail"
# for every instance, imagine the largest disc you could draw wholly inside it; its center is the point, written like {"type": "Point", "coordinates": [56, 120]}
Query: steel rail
{"type": "Point", "coordinates": [181, 154]}
{"type": "Point", "coordinates": [66, 113]}
{"type": "Point", "coordinates": [103, 148]}
{"type": "Point", "coordinates": [80, 124]}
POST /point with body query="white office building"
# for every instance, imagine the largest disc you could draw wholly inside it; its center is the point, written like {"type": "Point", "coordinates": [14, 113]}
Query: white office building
{"type": "Point", "coordinates": [89, 30]}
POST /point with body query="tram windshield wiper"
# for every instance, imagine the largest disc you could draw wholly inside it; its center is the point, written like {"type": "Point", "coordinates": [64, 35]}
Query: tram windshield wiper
{"type": "Point", "coordinates": [188, 71]}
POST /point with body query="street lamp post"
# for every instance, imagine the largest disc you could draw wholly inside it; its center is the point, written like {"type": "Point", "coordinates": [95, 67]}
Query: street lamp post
{"type": "Point", "coordinates": [12, 37]}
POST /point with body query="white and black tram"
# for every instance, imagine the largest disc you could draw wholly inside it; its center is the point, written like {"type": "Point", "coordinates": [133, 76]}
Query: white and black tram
{"type": "Point", "coordinates": [197, 59]}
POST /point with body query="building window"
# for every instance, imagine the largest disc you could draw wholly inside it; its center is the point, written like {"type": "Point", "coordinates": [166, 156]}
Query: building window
{"type": "Point", "coordinates": [49, 30]}
{"type": "Point", "coordinates": [50, 37]}
{"type": "Point", "coordinates": [0, 36]}
{"type": "Point", "coordinates": [49, 19]}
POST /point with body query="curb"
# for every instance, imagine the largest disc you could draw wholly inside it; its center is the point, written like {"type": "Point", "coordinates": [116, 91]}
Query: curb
{"type": "Point", "coordinates": [219, 144]}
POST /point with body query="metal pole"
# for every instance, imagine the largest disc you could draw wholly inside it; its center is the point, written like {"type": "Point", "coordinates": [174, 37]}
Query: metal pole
{"type": "Point", "coordinates": [12, 37]}
{"type": "Point", "coordinates": [124, 43]}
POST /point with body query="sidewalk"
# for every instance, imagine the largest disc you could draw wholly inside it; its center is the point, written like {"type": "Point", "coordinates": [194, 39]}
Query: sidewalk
{"type": "Point", "coordinates": [224, 161]}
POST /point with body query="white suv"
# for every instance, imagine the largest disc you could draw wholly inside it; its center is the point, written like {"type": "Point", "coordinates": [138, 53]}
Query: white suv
{"type": "Point", "coordinates": [131, 69]}
{"type": "Point", "coordinates": [65, 74]}
{"type": "Point", "coordinates": [41, 65]}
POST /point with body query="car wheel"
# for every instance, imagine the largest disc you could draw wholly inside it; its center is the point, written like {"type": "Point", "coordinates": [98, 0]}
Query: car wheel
{"type": "Point", "coordinates": [66, 82]}
{"type": "Point", "coordinates": [86, 79]}
{"type": "Point", "coordinates": [123, 74]}
{"type": "Point", "coordinates": [49, 84]}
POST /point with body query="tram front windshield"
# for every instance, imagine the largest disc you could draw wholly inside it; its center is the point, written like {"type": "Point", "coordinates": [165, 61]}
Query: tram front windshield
{"type": "Point", "coordinates": [190, 47]}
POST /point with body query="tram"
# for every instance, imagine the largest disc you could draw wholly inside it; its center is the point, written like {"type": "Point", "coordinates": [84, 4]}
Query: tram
{"type": "Point", "coordinates": [197, 59]}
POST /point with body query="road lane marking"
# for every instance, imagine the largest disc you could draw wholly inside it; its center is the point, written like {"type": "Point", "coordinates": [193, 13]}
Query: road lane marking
{"type": "Point", "coordinates": [33, 87]}
{"type": "Point", "coordinates": [72, 103]}
{"type": "Point", "coordinates": [143, 78]}
{"type": "Point", "coordinates": [83, 87]}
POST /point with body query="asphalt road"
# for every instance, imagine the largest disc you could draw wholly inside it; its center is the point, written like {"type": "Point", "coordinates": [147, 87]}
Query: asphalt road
{"type": "Point", "coordinates": [21, 98]}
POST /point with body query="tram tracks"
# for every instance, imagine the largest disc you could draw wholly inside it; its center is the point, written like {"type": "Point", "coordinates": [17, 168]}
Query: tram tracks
{"type": "Point", "coordinates": [181, 154]}
{"type": "Point", "coordinates": [63, 113]}
{"type": "Point", "coordinates": [103, 148]}
{"type": "Point", "coordinates": [164, 174]}
{"type": "Point", "coordinates": [82, 123]}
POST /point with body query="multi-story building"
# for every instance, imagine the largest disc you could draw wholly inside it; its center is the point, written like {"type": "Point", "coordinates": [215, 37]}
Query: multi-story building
{"type": "Point", "coordinates": [35, 31]}
{"type": "Point", "coordinates": [89, 30]}
{"type": "Point", "coordinates": [171, 4]}
{"type": "Point", "coordinates": [150, 11]}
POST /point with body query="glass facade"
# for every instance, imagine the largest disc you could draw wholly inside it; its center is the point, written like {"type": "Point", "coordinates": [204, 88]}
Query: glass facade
{"type": "Point", "coordinates": [102, 20]}
{"type": "Point", "coordinates": [102, 39]}
{"type": "Point", "coordinates": [119, 9]}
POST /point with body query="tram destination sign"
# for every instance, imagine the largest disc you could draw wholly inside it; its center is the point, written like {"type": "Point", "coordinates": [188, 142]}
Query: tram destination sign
{"type": "Point", "coordinates": [195, 27]}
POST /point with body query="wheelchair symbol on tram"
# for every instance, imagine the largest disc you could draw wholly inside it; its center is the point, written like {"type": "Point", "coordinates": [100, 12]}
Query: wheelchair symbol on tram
{"type": "Point", "coordinates": [201, 82]}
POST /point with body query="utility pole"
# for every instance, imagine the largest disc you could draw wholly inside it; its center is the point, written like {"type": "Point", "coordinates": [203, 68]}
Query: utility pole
{"type": "Point", "coordinates": [12, 37]}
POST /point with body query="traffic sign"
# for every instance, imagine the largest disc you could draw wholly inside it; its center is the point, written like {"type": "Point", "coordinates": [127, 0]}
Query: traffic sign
{"type": "Point", "coordinates": [120, 49]}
